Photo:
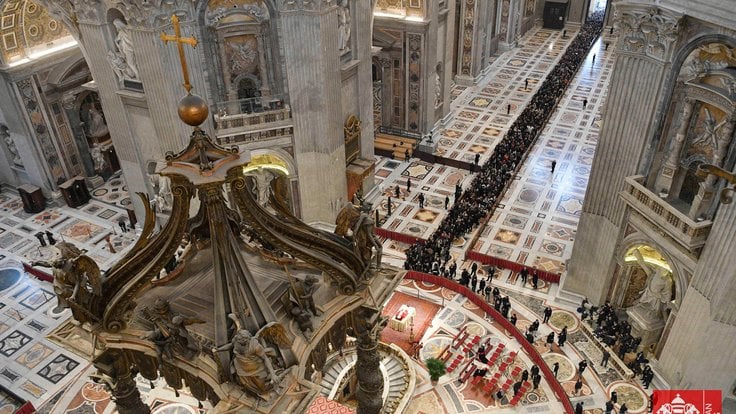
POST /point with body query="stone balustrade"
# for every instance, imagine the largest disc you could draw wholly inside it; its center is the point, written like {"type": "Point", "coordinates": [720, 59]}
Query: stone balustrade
{"type": "Point", "coordinates": [252, 127]}
{"type": "Point", "coordinates": [690, 233]}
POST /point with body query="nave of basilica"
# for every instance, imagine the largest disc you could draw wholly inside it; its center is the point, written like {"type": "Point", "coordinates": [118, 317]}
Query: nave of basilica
{"type": "Point", "coordinates": [353, 206]}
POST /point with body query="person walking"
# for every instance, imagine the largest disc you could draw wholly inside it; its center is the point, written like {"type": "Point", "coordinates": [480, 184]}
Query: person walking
{"type": "Point", "coordinates": [397, 192]}
{"type": "Point", "coordinates": [551, 339]}
{"type": "Point", "coordinates": [604, 360]}
{"type": "Point", "coordinates": [447, 202]}
{"type": "Point", "coordinates": [624, 409]}
{"type": "Point", "coordinates": [526, 83]}
{"type": "Point", "coordinates": [554, 164]}
{"type": "Point", "coordinates": [421, 200]}
{"type": "Point", "coordinates": [473, 269]}
{"type": "Point", "coordinates": [562, 337]}
{"type": "Point", "coordinates": [481, 286]}
{"type": "Point", "coordinates": [535, 280]}
{"type": "Point", "coordinates": [121, 223]}
{"type": "Point", "coordinates": [609, 407]}
{"type": "Point", "coordinates": [555, 368]}
{"type": "Point", "coordinates": [579, 408]}
{"type": "Point", "coordinates": [578, 386]}
{"type": "Point", "coordinates": [408, 185]}
{"type": "Point", "coordinates": [488, 291]}
{"type": "Point", "coordinates": [513, 319]}
{"type": "Point", "coordinates": [536, 379]}
{"type": "Point", "coordinates": [581, 367]}
{"type": "Point", "coordinates": [585, 102]}
{"type": "Point", "coordinates": [547, 314]}
{"type": "Point", "coordinates": [508, 109]}
{"type": "Point", "coordinates": [477, 159]}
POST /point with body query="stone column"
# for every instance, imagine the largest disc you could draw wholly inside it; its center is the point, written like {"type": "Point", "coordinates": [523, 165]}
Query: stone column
{"type": "Point", "coordinates": [75, 125]}
{"type": "Point", "coordinates": [673, 159]}
{"type": "Point", "coordinates": [640, 71]}
{"type": "Point", "coordinates": [387, 105]}
{"type": "Point", "coordinates": [368, 366]}
{"type": "Point", "coordinates": [114, 370]}
{"type": "Point", "coordinates": [309, 31]}
{"type": "Point", "coordinates": [265, 85]}
{"type": "Point", "coordinates": [467, 50]}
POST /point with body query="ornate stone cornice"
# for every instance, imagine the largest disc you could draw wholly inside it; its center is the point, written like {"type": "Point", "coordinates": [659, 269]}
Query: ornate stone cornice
{"type": "Point", "coordinates": [213, 17]}
{"type": "Point", "coordinates": [155, 13]}
{"type": "Point", "coordinates": [304, 5]}
{"type": "Point", "coordinates": [647, 30]}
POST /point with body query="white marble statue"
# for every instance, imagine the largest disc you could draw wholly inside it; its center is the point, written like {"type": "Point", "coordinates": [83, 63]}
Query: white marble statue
{"type": "Point", "coordinates": [438, 90]}
{"type": "Point", "coordinates": [165, 196]}
{"type": "Point", "coordinates": [10, 144]}
{"type": "Point", "coordinates": [118, 65]}
{"type": "Point", "coordinates": [343, 15]}
{"type": "Point", "coordinates": [97, 158]}
{"type": "Point", "coordinates": [162, 191]}
{"type": "Point", "coordinates": [656, 295]}
{"type": "Point", "coordinates": [124, 44]}
{"type": "Point", "coordinates": [263, 182]}
{"type": "Point", "coordinates": [97, 127]}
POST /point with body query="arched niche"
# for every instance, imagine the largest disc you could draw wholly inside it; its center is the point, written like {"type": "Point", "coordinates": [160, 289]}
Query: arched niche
{"type": "Point", "coordinates": [246, 44]}
{"type": "Point", "coordinates": [267, 165]}
{"type": "Point", "coordinates": [638, 280]}
{"type": "Point", "coordinates": [698, 129]}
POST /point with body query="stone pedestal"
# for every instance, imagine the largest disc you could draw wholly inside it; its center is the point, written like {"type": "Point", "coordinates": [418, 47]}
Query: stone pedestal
{"type": "Point", "coordinates": [645, 325]}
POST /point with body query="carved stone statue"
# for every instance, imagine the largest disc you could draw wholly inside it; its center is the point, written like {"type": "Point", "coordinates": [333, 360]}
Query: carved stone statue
{"type": "Point", "coordinates": [170, 334]}
{"type": "Point", "coordinates": [10, 144]}
{"type": "Point", "coordinates": [117, 62]}
{"type": "Point", "coordinates": [263, 185]}
{"type": "Point", "coordinates": [438, 90]}
{"type": "Point", "coordinates": [76, 278]}
{"type": "Point", "coordinates": [365, 239]}
{"type": "Point", "coordinates": [344, 21]}
{"type": "Point", "coordinates": [97, 158]}
{"type": "Point", "coordinates": [359, 227]}
{"type": "Point", "coordinates": [304, 295]}
{"type": "Point", "coordinates": [251, 363]}
{"type": "Point", "coordinates": [97, 128]}
{"type": "Point", "coordinates": [124, 45]}
{"type": "Point", "coordinates": [303, 319]}
{"type": "Point", "coordinates": [658, 291]}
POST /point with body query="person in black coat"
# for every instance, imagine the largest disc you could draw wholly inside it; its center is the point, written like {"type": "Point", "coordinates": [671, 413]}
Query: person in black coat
{"type": "Point", "coordinates": [547, 314]}
{"type": "Point", "coordinates": [524, 375]}
{"type": "Point", "coordinates": [609, 407]}
{"type": "Point", "coordinates": [562, 337]}
{"type": "Point", "coordinates": [624, 409]}
{"type": "Point", "coordinates": [555, 368]}
{"type": "Point", "coordinates": [534, 370]}
{"type": "Point", "coordinates": [604, 360]}
{"type": "Point", "coordinates": [579, 408]}
{"type": "Point", "coordinates": [551, 339]}
{"type": "Point", "coordinates": [535, 380]}
{"type": "Point", "coordinates": [578, 385]}
{"type": "Point", "coordinates": [513, 319]}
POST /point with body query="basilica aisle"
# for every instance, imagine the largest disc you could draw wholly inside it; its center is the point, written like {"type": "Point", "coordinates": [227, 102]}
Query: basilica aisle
{"type": "Point", "coordinates": [534, 224]}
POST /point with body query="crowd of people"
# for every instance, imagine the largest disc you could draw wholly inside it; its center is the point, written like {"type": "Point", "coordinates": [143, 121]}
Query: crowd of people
{"type": "Point", "coordinates": [488, 185]}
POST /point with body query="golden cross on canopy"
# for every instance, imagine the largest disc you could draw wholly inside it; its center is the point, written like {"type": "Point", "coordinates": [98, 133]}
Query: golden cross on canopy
{"type": "Point", "coordinates": [180, 41]}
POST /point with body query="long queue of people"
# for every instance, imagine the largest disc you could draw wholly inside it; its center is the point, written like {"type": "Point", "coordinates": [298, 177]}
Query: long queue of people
{"type": "Point", "coordinates": [480, 197]}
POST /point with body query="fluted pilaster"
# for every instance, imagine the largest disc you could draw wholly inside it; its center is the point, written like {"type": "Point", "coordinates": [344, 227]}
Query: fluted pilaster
{"type": "Point", "coordinates": [634, 93]}
{"type": "Point", "coordinates": [313, 71]}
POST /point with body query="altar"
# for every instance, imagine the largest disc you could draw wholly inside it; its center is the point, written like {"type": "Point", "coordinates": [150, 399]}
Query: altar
{"type": "Point", "coordinates": [402, 318]}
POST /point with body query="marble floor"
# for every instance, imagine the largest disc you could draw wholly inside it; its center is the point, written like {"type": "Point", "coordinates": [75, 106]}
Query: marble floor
{"type": "Point", "coordinates": [535, 224]}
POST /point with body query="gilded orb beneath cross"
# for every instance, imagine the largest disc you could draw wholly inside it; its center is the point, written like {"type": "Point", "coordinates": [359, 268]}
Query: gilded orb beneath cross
{"type": "Point", "coordinates": [193, 110]}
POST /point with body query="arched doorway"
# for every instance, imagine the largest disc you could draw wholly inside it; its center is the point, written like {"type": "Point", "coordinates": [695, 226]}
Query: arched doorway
{"type": "Point", "coordinates": [649, 292]}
